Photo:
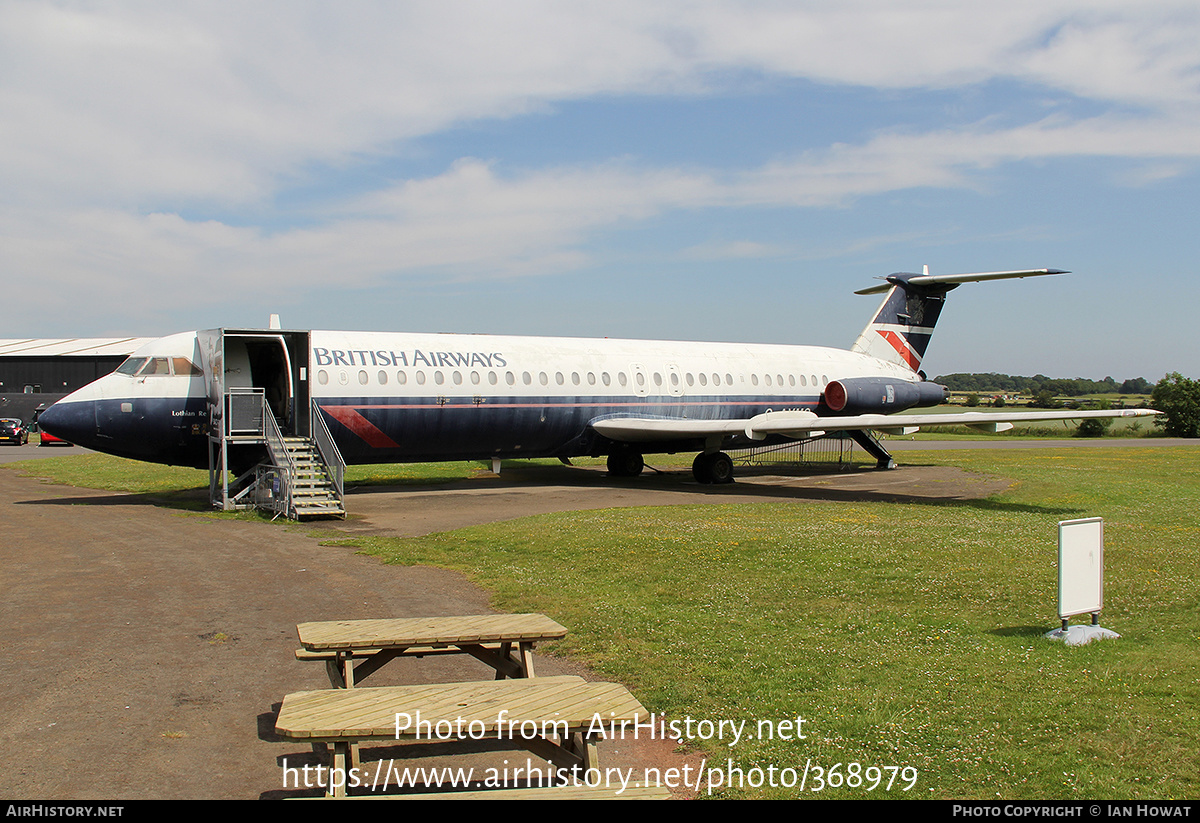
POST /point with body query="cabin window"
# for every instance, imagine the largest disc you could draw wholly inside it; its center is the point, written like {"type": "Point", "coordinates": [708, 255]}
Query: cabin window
{"type": "Point", "coordinates": [604, 377]}
{"type": "Point", "coordinates": [510, 378]}
{"type": "Point", "coordinates": [457, 378]}
{"type": "Point", "coordinates": [493, 378]}
{"type": "Point", "coordinates": [323, 377]}
{"type": "Point", "coordinates": [475, 378]}
{"type": "Point", "coordinates": [754, 380]}
{"type": "Point", "coordinates": [824, 380]}
{"type": "Point", "coordinates": [779, 380]}
{"type": "Point", "coordinates": [362, 377]}
{"type": "Point", "coordinates": [575, 378]}
{"type": "Point", "coordinates": [438, 377]}
{"type": "Point", "coordinates": [729, 379]}
{"type": "Point", "coordinates": [382, 377]}
{"type": "Point", "coordinates": [791, 380]}
{"type": "Point", "coordinates": [803, 380]}
{"type": "Point", "coordinates": [527, 378]}
{"type": "Point", "coordinates": [703, 379]}
{"type": "Point", "coordinates": [716, 379]}
{"type": "Point", "coordinates": [814, 379]}
{"type": "Point", "coordinates": [558, 378]}
{"type": "Point", "coordinates": [690, 380]}
{"type": "Point", "coordinates": [543, 379]}
{"type": "Point", "coordinates": [401, 378]}
{"type": "Point", "coordinates": [621, 378]}
{"type": "Point", "coordinates": [591, 378]}
{"type": "Point", "coordinates": [767, 379]}
{"type": "Point", "coordinates": [420, 378]}
{"type": "Point", "coordinates": [641, 379]}
{"type": "Point", "coordinates": [657, 379]}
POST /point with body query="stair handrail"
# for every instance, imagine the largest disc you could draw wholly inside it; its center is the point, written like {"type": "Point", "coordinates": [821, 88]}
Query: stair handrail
{"type": "Point", "coordinates": [331, 455]}
{"type": "Point", "coordinates": [279, 456]}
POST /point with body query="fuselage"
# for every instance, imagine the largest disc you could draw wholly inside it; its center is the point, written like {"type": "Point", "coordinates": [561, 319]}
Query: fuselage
{"type": "Point", "coordinates": [397, 397]}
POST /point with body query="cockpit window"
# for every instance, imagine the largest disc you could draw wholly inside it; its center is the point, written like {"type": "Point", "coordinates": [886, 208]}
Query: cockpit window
{"type": "Point", "coordinates": [156, 366]}
{"type": "Point", "coordinates": [132, 365]}
{"type": "Point", "coordinates": [183, 366]}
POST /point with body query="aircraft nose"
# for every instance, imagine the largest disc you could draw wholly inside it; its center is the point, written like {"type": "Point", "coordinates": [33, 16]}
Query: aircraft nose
{"type": "Point", "coordinates": [73, 422]}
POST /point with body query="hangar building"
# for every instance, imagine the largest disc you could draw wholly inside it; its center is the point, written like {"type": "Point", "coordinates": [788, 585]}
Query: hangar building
{"type": "Point", "coordinates": [33, 372]}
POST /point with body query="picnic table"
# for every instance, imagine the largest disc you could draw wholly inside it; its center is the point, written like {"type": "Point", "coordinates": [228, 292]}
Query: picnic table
{"type": "Point", "coordinates": [503, 641]}
{"type": "Point", "coordinates": [555, 718]}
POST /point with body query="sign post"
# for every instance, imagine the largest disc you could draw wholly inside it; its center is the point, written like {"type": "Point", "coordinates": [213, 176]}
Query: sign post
{"type": "Point", "coordinates": [1080, 580]}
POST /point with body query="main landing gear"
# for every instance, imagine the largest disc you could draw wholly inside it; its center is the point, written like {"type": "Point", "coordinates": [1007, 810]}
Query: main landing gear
{"type": "Point", "coordinates": [625, 462]}
{"type": "Point", "coordinates": [713, 467]}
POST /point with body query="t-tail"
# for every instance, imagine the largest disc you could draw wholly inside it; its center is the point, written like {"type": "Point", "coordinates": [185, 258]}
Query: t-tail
{"type": "Point", "coordinates": [901, 329]}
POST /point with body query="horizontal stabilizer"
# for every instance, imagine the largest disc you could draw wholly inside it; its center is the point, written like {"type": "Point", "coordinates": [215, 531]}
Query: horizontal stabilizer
{"type": "Point", "coordinates": [934, 279]}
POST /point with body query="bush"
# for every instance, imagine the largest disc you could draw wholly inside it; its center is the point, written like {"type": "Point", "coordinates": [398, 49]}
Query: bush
{"type": "Point", "coordinates": [1178, 398]}
{"type": "Point", "coordinates": [1093, 427]}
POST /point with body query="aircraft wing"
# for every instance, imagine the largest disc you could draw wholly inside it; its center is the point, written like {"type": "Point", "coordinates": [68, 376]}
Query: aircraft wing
{"type": "Point", "coordinates": [806, 424]}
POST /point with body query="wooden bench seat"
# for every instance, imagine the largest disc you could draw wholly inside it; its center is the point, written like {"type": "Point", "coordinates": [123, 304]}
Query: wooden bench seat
{"type": "Point", "coordinates": [555, 718]}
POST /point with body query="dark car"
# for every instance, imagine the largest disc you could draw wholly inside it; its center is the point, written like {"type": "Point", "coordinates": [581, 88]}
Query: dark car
{"type": "Point", "coordinates": [13, 431]}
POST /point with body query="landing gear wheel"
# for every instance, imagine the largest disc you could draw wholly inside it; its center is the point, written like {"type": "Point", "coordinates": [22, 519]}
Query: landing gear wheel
{"type": "Point", "coordinates": [713, 468]}
{"type": "Point", "coordinates": [625, 463]}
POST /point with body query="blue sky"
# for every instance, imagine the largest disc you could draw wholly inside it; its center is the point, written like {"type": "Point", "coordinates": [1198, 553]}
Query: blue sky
{"type": "Point", "coordinates": [682, 170]}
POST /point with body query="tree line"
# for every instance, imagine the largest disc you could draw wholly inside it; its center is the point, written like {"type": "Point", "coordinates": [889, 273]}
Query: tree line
{"type": "Point", "coordinates": [993, 383]}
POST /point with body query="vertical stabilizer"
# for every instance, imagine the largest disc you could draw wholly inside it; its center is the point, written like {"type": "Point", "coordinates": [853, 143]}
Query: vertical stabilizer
{"type": "Point", "coordinates": [901, 329]}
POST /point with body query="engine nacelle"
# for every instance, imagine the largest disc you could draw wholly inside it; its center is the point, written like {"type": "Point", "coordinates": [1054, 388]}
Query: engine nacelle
{"type": "Point", "coordinates": [879, 395]}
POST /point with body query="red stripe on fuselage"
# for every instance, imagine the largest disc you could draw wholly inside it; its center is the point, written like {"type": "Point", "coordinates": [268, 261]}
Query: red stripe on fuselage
{"type": "Point", "coordinates": [349, 417]}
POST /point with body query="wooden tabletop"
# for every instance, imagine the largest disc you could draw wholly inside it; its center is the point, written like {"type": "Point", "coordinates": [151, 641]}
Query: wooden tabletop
{"type": "Point", "coordinates": [428, 631]}
{"type": "Point", "coordinates": [499, 707]}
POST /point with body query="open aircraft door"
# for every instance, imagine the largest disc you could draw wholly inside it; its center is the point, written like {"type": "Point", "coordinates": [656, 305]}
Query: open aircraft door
{"type": "Point", "coordinates": [242, 365]}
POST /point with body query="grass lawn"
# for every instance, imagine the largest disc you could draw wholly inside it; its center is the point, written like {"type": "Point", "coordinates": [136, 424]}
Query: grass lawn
{"type": "Point", "coordinates": [906, 635]}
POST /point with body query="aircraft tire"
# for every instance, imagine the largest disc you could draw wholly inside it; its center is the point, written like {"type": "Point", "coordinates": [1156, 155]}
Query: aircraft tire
{"type": "Point", "coordinates": [720, 470]}
{"type": "Point", "coordinates": [625, 463]}
{"type": "Point", "coordinates": [713, 468]}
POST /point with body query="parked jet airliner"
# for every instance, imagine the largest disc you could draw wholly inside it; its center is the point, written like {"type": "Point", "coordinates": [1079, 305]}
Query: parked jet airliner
{"type": "Point", "coordinates": [394, 397]}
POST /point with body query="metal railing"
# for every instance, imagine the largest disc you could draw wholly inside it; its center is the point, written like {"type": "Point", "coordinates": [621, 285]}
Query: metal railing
{"type": "Point", "coordinates": [275, 483]}
{"type": "Point", "coordinates": [331, 455]}
{"type": "Point", "coordinates": [828, 451]}
{"type": "Point", "coordinates": [245, 410]}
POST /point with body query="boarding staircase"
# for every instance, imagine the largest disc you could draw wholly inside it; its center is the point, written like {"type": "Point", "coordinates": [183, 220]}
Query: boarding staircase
{"type": "Point", "coordinates": [300, 477]}
{"type": "Point", "coordinates": [311, 490]}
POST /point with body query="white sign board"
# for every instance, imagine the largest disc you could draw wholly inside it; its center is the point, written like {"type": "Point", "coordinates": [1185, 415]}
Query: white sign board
{"type": "Point", "coordinates": [1080, 566]}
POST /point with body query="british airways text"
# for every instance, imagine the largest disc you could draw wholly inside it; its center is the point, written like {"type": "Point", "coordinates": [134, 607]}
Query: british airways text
{"type": "Point", "coordinates": [432, 359]}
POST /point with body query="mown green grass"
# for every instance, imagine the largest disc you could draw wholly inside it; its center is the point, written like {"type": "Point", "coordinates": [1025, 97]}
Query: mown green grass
{"type": "Point", "coordinates": [102, 471]}
{"type": "Point", "coordinates": [904, 634]}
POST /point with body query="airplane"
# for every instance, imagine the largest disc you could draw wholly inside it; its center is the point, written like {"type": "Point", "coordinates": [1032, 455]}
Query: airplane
{"type": "Point", "coordinates": [411, 397]}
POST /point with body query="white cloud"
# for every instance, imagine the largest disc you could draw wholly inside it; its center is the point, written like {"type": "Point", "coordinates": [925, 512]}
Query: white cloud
{"type": "Point", "coordinates": [216, 102]}
{"type": "Point", "coordinates": [121, 117]}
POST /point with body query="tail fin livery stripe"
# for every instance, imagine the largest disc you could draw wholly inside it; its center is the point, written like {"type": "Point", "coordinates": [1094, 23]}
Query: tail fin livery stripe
{"type": "Point", "coordinates": [906, 352]}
